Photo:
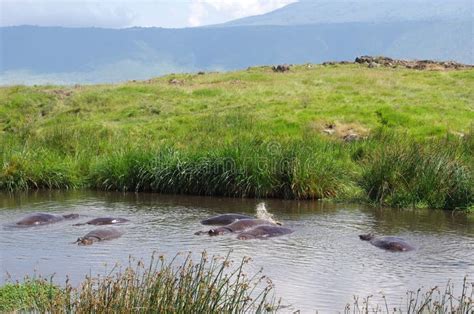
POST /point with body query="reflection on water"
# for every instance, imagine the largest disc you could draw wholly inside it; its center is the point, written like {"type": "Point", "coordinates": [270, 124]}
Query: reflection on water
{"type": "Point", "coordinates": [320, 266]}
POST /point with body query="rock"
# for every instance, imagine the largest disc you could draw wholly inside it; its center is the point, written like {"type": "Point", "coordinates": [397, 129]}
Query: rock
{"type": "Point", "coordinates": [175, 82]}
{"type": "Point", "coordinates": [281, 68]}
{"type": "Point", "coordinates": [329, 131]}
{"type": "Point", "coordinates": [373, 65]}
{"type": "Point", "coordinates": [351, 137]}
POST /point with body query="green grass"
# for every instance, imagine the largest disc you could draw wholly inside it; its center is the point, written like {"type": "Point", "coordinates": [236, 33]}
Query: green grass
{"type": "Point", "coordinates": [30, 294]}
{"type": "Point", "coordinates": [251, 133]}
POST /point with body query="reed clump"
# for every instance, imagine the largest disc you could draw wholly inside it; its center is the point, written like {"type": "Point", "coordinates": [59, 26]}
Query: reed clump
{"type": "Point", "coordinates": [211, 285]}
{"type": "Point", "coordinates": [435, 300]}
{"type": "Point", "coordinates": [294, 170]}
{"type": "Point", "coordinates": [407, 173]}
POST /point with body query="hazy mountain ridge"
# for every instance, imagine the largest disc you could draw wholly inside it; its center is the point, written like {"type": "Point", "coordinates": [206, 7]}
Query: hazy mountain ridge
{"type": "Point", "coordinates": [35, 55]}
{"type": "Point", "coordinates": [370, 11]}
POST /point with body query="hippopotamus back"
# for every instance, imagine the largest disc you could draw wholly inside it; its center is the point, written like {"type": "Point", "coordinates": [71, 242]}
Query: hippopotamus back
{"type": "Point", "coordinates": [104, 221]}
{"type": "Point", "coordinates": [43, 218]}
{"type": "Point", "coordinates": [104, 234]}
{"type": "Point", "coordinates": [244, 224]}
{"type": "Point", "coordinates": [393, 244]}
{"type": "Point", "coordinates": [263, 232]}
{"type": "Point", "coordinates": [225, 219]}
{"type": "Point", "coordinates": [99, 235]}
{"type": "Point", "coordinates": [236, 226]}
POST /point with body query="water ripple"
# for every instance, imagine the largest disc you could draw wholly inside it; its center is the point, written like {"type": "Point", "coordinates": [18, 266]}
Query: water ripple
{"type": "Point", "coordinates": [322, 265]}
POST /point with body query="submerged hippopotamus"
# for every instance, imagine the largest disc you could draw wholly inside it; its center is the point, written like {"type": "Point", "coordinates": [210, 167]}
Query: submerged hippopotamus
{"type": "Point", "coordinates": [43, 219]}
{"type": "Point", "coordinates": [236, 226]}
{"type": "Point", "coordinates": [99, 235]}
{"type": "Point", "coordinates": [104, 221]}
{"type": "Point", "coordinates": [393, 244]}
{"type": "Point", "coordinates": [264, 232]}
{"type": "Point", "coordinates": [225, 219]}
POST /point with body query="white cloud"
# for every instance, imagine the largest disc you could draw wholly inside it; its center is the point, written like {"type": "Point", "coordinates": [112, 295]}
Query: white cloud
{"type": "Point", "coordinates": [231, 9]}
{"type": "Point", "coordinates": [127, 13]}
{"type": "Point", "coordinates": [65, 13]}
{"type": "Point", "coordinates": [100, 13]}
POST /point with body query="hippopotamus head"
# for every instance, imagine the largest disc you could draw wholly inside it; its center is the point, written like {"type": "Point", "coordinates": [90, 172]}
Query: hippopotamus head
{"type": "Point", "coordinates": [219, 231]}
{"type": "Point", "coordinates": [366, 237]}
{"type": "Point", "coordinates": [84, 241]}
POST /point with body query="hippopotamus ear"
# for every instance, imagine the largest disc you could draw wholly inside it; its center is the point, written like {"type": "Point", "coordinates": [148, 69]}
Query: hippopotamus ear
{"type": "Point", "coordinates": [212, 232]}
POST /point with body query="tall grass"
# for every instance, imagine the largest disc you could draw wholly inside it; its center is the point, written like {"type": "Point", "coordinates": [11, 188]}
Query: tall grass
{"type": "Point", "coordinates": [434, 300]}
{"type": "Point", "coordinates": [402, 172]}
{"type": "Point", "coordinates": [26, 169]}
{"type": "Point", "coordinates": [290, 170]}
{"type": "Point", "coordinates": [212, 285]}
{"type": "Point", "coordinates": [388, 169]}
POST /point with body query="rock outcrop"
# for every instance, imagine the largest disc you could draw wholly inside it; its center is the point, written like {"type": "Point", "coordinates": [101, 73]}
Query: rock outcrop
{"type": "Point", "coordinates": [376, 62]}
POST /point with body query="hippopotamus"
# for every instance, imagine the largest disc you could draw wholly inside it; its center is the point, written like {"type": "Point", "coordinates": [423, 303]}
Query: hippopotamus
{"type": "Point", "coordinates": [264, 232]}
{"type": "Point", "coordinates": [236, 226]}
{"type": "Point", "coordinates": [99, 235]}
{"type": "Point", "coordinates": [104, 221]}
{"type": "Point", "coordinates": [43, 219]}
{"type": "Point", "coordinates": [224, 219]}
{"type": "Point", "coordinates": [392, 244]}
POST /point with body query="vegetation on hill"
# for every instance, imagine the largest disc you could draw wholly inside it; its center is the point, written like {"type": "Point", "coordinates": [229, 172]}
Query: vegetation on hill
{"type": "Point", "coordinates": [396, 137]}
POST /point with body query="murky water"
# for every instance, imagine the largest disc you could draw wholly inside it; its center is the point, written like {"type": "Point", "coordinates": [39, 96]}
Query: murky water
{"type": "Point", "coordinates": [320, 266]}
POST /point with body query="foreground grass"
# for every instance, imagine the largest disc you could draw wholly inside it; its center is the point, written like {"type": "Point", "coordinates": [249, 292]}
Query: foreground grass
{"type": "Point", "coordinates": [435, 300]}
{"type": "Point", "coordinates": [252, 133]}
{"type": "Point", "coordinates": [212, 285]}
{"type": "Point", "coordinates": [209, 286]}
{"type": "Point", "coordinates": [30, 294]}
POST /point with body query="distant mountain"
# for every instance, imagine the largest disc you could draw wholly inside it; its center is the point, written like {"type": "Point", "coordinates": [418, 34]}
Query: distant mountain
{"type": "Point", "coordinates": [307, 31]}
{"type": "Point", "coordinates": [362, 11]}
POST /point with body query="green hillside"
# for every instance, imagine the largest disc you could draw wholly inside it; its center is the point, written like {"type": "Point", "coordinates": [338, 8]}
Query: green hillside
{"type": "Point", "coordinates": [393, 136]}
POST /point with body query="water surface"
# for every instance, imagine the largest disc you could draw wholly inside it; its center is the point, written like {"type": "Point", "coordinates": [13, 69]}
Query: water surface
{"type": "Point", "coordinates": [322, 265]}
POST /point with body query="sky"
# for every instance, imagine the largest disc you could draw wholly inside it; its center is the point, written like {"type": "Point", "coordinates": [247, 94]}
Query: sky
{"type": "Point", "coordinates": [130, 13]}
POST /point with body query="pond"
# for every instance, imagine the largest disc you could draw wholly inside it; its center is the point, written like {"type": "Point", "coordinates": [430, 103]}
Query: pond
{"type": "Point", "coordinates": [322, 265]}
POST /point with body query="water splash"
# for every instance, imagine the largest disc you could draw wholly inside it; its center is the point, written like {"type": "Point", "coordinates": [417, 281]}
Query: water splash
{"type": "Point", "coordinates": [262, 213]}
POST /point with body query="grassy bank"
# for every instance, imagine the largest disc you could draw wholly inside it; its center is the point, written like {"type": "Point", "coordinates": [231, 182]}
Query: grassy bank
{"type": "Point", "coordinates": [252, 133]}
